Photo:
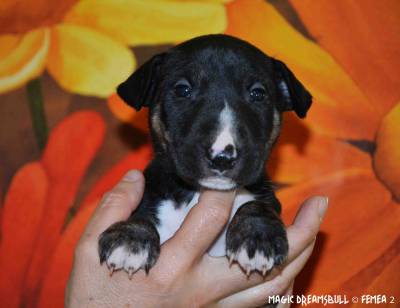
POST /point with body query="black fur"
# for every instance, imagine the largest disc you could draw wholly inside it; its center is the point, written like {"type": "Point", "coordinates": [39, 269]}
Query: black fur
{"type": "Point", "coordinates": [220, 70]}
{"type": "Point", "coordinates": [136, 234]}
{"type": "Point", "coordinates": [257, 226]}
{"type": "Point", "coordinates": [299, 98]}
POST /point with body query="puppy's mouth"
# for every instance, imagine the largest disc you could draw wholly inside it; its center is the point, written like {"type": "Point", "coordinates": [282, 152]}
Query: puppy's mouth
{"type": "Point", "coordinates": [217, 183]}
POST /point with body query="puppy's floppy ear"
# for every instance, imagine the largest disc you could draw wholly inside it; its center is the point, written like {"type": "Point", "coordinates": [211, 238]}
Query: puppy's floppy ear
{"type": "Point", "coordinates": [293, 94]}
{"type": "Point", "coordinates": [140, 88]}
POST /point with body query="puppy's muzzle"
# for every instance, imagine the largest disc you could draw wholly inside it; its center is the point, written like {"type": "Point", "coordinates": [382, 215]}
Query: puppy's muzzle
{"type": "Point", "coordinates": [223, 160]}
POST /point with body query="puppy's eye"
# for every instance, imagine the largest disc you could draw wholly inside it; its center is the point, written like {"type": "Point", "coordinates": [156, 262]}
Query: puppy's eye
{"type": "Point", "coordinates": [183, 89]}
{"type": "Point", "coordinates": [257, 92]}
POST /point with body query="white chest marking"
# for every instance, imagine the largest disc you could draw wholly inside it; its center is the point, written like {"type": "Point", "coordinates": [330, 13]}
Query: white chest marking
{"type": "Point", "coordinates": [171, 219]}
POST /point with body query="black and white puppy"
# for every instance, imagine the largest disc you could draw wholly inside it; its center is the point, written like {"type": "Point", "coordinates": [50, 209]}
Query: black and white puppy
{"type": "Point", "coordinates": [215, 112]}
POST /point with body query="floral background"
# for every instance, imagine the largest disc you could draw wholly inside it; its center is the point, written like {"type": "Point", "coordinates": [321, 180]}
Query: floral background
{"type": "Point", "coordinates": [66, 138]}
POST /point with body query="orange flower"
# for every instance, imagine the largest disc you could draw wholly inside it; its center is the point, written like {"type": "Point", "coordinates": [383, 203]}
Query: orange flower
{"type": "Point", "coordinates": [22, 213]}
{"type": "Point", "coordinates": [127, 114]}
{"type": "Point", "coordinates": [37, 204]}
{"type": "Point", "coordinates": [83, 44]}
{"type": "Point", "coordinates": [354, 104]}
{"type": "Point", "coordinates": [53, 287]}
{"type": "Point", "coordinates": [35, 252]}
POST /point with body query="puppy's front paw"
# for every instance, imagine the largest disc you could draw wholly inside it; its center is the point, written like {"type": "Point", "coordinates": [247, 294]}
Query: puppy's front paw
{"type": "Point", "coordinates": [256, 243]}
{"type": "Point", "coordinates": [130, 246]}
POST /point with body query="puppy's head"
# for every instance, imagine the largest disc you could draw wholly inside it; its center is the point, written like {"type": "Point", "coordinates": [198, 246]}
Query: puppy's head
{"type": "Point", "coordinates": [215, 108]}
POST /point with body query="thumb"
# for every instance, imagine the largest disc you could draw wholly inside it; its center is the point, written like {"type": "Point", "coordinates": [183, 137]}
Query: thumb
{"type": "Point", "coordinates": [306, 225]}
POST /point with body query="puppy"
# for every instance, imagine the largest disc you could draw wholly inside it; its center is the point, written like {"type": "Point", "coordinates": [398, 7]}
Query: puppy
{"type": "Point", "coordinates": [216, 106]}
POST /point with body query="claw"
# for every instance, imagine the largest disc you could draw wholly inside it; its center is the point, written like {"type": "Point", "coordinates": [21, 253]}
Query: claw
{"type": "Point", "coordinates": [111, 268]}
{"type": "Point", "coordinates": [248, 271]}
{"type": "Point", "coordinates": [231, 258]}
{"type": "Point", "coordinates": [131, 271]}
{"type": "Point", "coordinates": [264, 271]}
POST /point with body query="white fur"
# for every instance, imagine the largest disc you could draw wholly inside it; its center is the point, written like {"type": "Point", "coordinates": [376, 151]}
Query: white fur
{"type": "Point", "coordinates": [122, 258]}
{"type": "Point", "coordinates": [225, 135]}
{"type": "Point", "coordinates": [171, 219]}
{"type": "Point", "coordinates": [136, 261]}
{"type": "Point", "coordinates": [217, 182]}
{"type": "Point", "coordinates": [258, 262]}
{"type": "Point", "coordinates": [117, 257]}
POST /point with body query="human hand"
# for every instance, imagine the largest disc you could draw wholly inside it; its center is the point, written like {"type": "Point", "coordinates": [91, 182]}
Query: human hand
{"type": "Point", "coordinates": [301, 236]}
{"type": "Point", "coordinates": [184, 274]}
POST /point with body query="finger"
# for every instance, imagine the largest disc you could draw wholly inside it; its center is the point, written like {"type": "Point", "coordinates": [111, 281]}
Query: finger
{"type": "Point", "coordinates": [282, 284]}
{"type": "Point", "coordinates": [116, 205]}
{"type": "Point", "coordinates": [287, 295]}
{"type": "Point", "coordinates": [200, 228]}
{"type": "Point", "coordinates": [306, 225]}
{"type": "Point", "coordinates": [300, 235]}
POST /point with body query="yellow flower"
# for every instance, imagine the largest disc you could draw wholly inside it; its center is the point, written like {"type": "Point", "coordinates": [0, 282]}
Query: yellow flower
{"type": "Point", "coordinates": [84, 44]}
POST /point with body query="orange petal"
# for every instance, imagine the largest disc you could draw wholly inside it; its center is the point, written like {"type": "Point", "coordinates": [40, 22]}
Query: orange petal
{"type": "Point", "coordinates": [55, 280]}
{"type": "Point", "coordinates": [340, 109]}
{"type": "Point", "coordinates": [363, 279]}
{"type": "Point", "coordinates": [302, 154]}
{"type": "Point", "coordinates": [22, 58]}
{"type": "Point", "coordinates": [387, 154]}
{"type": "Point", "coordinates": [387, 283]}
{"type": "Point", "coordinates": [360, 226]}
{"type": "Point", "coordinates": [25, 15]}
{"type": "Point", "coordinates": [127, 114]}
{"type": "Point", "coordinates": [138, 159]}
{"type": "Point", "coordinates": [52, 293]}
{"type": "Point", "coordinates": [87, 62]}
{"type": "Point", "coordinates": [71, 147]}
{"type": "Point", "coordinates": [363, 36]}
{"type": "Point", "coordinates": [21, 217]}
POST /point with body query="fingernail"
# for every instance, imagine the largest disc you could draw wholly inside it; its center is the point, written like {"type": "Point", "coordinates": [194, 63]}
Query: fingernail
{"type": "Point", "coordinates": [132, 175]}
{"type": "Point", "coordinates": [323, 206]}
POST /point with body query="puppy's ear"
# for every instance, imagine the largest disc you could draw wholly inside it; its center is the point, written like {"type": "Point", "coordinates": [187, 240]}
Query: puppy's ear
{"type": "Point", "coordinates": [293, 94]}
{"type": "Point", "coordinates": [140, 88]}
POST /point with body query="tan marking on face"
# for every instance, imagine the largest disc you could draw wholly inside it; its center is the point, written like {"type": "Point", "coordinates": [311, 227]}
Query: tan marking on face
{"type": "Point", "coordinates": [159, 127]}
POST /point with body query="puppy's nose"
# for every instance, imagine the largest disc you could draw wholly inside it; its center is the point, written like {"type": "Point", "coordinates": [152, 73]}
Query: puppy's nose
{"type": "Point", "coordinates": [223, 160]}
